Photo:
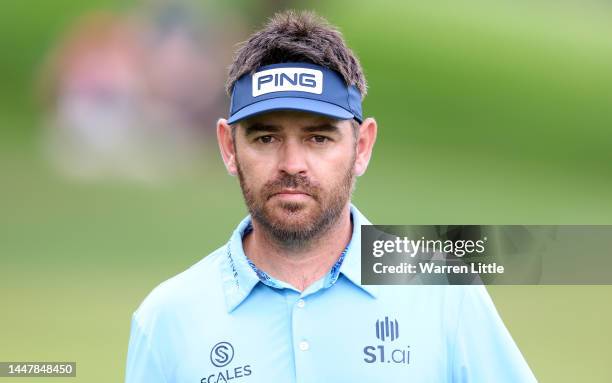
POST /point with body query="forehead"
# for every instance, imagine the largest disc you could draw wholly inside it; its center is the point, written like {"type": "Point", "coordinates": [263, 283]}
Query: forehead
{"type": "Point", "coordinates": [293, 120]}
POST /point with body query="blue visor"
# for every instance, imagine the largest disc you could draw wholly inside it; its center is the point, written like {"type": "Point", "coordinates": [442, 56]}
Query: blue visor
{"type": "Point", "coordinates": [294, 86]}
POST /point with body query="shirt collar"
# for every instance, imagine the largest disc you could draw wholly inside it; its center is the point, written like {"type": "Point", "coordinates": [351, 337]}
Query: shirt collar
{"type": "Point", "coordinates": [266, 279]}
{"type": "Point", "coordinates": [239, 277]}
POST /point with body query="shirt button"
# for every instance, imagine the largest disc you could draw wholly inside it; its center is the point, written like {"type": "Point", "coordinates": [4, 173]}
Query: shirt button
{"type": "Point", "coordinates": [301, 303]}
{"type": "Point", "coordinates": [304, 346]}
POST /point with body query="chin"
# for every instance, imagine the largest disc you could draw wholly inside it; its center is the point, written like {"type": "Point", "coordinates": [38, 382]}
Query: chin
{"type": "Point", "coordinates": [293, 214]}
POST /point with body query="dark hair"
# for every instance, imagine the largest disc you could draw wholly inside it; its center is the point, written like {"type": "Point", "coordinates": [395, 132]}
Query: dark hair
{"type": "Point", "coordinates": [299, 36]}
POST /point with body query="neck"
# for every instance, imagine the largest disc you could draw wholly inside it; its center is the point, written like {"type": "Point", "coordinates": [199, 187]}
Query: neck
{"type": "Point", "coordinates": [305, 265]}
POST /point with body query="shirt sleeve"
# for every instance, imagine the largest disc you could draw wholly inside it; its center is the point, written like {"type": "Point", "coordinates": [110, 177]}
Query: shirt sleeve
{"type": "Point", "coordinates": [484, 350]}
{"type": "Point", "coordinates": [143, 362]}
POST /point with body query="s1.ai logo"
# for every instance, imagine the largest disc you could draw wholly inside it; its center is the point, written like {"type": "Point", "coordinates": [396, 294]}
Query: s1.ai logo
{"type": "Point", "coordinates": [386, 330]}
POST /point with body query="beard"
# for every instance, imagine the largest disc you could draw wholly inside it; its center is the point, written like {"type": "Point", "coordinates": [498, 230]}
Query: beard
{"type": "Point", "coordinates": [296, 224]}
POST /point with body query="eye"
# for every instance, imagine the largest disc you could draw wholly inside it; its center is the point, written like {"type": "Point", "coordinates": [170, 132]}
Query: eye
{"type": "Point", "coordinates": [320, 139]}
{"type": "Point", "coordinates": [265, 139]}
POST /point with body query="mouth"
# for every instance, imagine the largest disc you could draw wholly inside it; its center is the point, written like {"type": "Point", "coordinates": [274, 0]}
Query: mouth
{"type": "Point", "coordinates": [291, 194]}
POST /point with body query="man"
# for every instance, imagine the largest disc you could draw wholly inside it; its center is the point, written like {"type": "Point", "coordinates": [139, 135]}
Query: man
{"type": "Point", "coordinates": [282, 301]}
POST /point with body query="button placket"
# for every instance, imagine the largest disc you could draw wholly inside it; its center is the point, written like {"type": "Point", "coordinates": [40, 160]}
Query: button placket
{"type": "Point", "coordinates": [301, 341]}
{"type": "Point", "coordinates": [298, 316]}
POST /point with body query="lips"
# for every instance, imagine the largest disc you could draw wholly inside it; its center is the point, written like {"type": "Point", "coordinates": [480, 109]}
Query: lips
{"type": "Point", "coordinates": [292, 194]}
{"type": "Point", "coordinates": [290, 191]}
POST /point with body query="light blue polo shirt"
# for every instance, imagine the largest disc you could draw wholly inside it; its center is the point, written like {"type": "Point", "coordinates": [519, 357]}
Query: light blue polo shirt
{"type": "Point", "coordinates": [223, 320]}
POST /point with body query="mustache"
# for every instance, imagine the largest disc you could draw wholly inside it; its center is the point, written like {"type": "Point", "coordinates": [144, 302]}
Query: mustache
{"type": "Point", "coordinates": [290, 181]}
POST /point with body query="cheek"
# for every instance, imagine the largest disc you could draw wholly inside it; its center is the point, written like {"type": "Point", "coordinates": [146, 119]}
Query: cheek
{"type": "Point", "coordinates": [256, 172]}
{"type": "Point", "coordinates": [333, 170]}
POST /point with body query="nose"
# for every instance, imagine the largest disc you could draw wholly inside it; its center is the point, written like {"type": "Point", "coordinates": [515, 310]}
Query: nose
{"type": "Point", "coordinates": [292, 158]}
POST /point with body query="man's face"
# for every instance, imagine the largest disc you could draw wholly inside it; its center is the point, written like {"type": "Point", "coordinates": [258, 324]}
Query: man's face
{"type": "Point", "coordinates": [296, 171]}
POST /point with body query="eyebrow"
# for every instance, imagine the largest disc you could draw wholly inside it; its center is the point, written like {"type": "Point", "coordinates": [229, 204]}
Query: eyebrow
{"type": "Point", "coordinates": [261, 127]}
{"type": "Point", "coordinates": [325, 127]}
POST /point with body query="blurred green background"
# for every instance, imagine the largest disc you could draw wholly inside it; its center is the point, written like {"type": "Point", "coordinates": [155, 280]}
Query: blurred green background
{"type": "Point", "coordinates": [488, 112]}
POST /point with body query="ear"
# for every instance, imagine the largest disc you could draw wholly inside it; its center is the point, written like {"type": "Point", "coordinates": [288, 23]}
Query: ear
{"type": "Point", "coordinates": [365, 143]}
{"type": "Point", "coordinates": [227, 146]}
